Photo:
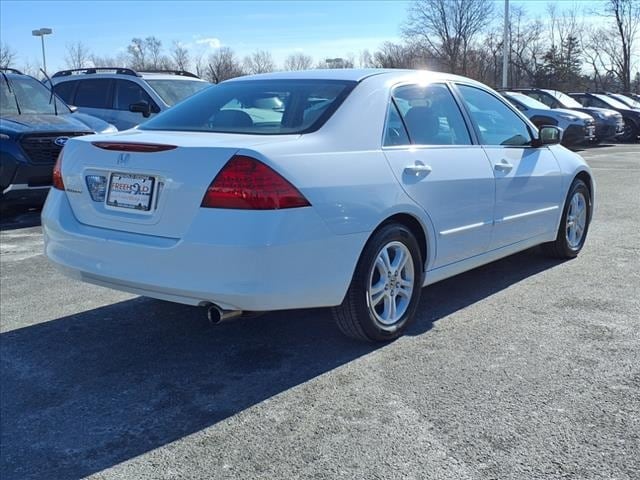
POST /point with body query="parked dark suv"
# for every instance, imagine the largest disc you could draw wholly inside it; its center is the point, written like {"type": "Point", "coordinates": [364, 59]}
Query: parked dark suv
{"type": "Point", "coordinates": [630, 115]}
{"type": "Point", "coordinates": [609, 123]}
{"type": "Point", "coordinates": [34, 125]}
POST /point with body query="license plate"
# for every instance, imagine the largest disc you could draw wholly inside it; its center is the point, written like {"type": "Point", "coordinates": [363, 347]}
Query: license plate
{"type": "Point", "coordinates": [129, 191]}
{"type": "Point", "coordinates": [591, 131]}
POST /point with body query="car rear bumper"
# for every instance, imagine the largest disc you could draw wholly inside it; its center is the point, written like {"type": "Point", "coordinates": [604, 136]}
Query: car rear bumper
{"type": "Point", "coordinates": [291, 261]}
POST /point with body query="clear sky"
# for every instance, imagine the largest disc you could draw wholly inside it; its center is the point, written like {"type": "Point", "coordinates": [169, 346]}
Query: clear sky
{"type": "Point", "coordinates": [322, 29]}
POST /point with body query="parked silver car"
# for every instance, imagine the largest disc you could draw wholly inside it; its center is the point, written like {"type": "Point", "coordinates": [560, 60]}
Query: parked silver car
{"type": "Point", "coordinates": [122, 96]}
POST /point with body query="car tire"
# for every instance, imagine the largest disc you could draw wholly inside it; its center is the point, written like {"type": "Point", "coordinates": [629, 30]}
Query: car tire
{"type": "Point", "coordinates": [630, 132]}
{"type": "Point", "coordinates": [574, 223]}
{"type": "Point", "coordinates": [385, 289]}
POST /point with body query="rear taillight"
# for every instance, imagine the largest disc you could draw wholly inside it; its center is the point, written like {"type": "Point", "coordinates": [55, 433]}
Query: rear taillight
{"type": "Point", "coordinates": [57, 173]}
{"type": "Point", "coordinates": [248, 184]}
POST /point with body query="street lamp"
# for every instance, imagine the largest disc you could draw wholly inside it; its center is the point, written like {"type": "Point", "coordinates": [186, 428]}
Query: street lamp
{"type": "Point", "coordinates": [41, 32]}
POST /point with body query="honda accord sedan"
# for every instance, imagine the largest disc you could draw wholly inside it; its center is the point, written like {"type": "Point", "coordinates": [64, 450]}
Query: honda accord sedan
{"type": "Point", "coordinates": [350, 189]}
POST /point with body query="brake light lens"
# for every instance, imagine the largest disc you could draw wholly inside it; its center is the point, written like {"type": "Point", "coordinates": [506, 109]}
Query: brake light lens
{"type": "Point", "coordinates": [133, 147]}
{"type": "Point", "coordinates": [57, 173]}
{"type": "Point", "coordinates": [247, 184]}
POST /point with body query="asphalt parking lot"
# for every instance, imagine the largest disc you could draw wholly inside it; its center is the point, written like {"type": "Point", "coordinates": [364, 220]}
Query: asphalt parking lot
{"type": "Point", "coordinates": [527, 368]}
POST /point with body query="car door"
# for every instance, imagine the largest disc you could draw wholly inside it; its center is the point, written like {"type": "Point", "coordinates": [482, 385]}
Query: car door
{"type": "Point", "coordinates": [528, 180]}
{"type": "Point", "coordinates": [430, 150]}
{"type": "Point", "coordinates": [125, 94]}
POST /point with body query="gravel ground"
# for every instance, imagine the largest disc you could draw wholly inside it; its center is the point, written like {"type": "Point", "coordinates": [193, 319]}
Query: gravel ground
{"type": "Point", "coordinates": [524, 369]}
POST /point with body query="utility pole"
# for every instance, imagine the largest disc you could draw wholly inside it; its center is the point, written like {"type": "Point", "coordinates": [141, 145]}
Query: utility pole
{"type": "Point", "coordinates": [505, 46]}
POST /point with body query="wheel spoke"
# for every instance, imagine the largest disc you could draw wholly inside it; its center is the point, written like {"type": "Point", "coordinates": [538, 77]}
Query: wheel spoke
{"type": "Point", "coordinates": [378, 287]}
{"type": "Point", "coordinates": [392, 308]}
{"type": "Point", "coordinates": [375, 299]}
{"type": "Point", "coordinates": [400, 260]}
{"type": "Point", "coordinates": [384, 255]}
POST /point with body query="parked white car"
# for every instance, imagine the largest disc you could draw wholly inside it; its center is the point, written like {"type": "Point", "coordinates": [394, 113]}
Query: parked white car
{"type": "Point", "coordinates": [352, 190]}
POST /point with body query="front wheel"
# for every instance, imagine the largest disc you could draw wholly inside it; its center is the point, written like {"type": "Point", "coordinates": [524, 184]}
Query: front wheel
{"type": "Point", "coordinates": [385, 289]}
{"type": "Point", "coordinates": [574, 224]}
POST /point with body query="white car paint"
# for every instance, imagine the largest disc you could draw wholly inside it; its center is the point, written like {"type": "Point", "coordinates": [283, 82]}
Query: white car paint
{"type": "Point", "coordinates": [470, 212]}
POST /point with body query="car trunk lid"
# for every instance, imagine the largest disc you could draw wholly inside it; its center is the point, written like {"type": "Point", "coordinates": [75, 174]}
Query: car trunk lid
{"type": "Point", "coordinates": [154, 182]}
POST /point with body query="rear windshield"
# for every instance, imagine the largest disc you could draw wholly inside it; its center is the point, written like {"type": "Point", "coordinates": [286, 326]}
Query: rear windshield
{"type": "Point", "coordinates": [174, 91]}
{"type": "Point", "coordinates": [268, 107]}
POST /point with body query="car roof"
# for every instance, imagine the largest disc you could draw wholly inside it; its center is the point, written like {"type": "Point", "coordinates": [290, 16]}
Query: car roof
{"type": "Point", "coordinates": [352, 74]}
{"type": "Point", "coordinates": [166, 76]}
{"type": "Point", "coordinates": [123, 72]}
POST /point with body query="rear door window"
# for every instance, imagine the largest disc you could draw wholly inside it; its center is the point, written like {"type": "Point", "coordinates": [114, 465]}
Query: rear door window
{"type": "Point", "coordinates": [65, 90]}
{"type": "Point", "coordinates": [431, 115]}
{"type": "Point", "coordinates": [93, 93]}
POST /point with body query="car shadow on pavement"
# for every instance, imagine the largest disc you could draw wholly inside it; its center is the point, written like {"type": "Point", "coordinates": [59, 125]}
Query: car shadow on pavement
{"type": "Point", "coordinates": [19, 217]}
{"type": "Point", "coordinates": [88, 391]}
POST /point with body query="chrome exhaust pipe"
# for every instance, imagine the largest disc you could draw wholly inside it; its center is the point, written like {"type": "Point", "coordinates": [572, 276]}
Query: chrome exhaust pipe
{"type": "Point", "coordinates": [217, 315]}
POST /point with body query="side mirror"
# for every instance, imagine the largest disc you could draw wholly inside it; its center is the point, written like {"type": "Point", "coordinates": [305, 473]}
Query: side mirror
{"type": "Point", "coordinates": [73, 108]}
{"type": "Point", "coordinates": [141, 107]}
{"type": "Point", "coordinates": [548, 135]}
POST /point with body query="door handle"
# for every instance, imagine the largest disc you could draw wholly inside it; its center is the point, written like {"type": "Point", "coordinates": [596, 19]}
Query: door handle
{"type": "Point", "coordinates": [503, 166]}
{"type": "Point", "coordinates": [417, 169]}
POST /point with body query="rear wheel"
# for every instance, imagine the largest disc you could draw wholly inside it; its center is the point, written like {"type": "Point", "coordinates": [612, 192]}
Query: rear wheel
{"type": "Point", "coordinates": [574, 224]}
{"type": "Point", "coordinates": [630, 132]}
{"type": "Point", "coordinates": [385, 289]}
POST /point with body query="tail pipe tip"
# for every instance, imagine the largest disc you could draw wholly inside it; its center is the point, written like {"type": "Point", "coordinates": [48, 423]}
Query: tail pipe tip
{"type": "Point", "coordinates": [217, 315]}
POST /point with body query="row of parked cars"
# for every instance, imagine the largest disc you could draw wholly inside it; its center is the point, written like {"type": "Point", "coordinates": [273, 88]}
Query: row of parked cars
{"type": "Point", "coordinates": [585, 118]}
{"type": "Point", "coordinates": [37, 118]}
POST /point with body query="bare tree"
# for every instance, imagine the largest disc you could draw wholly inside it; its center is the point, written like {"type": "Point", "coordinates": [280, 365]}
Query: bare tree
{"type": "Point", "coordinates": [527, 47]}
{"type": "Point", "coordinates": [32, 67]}
{"type": "Point", "coordinates": [137, 50]}
{"type": "Point", "coordinates": [78, 55]}
{"type": "Point", "coordinates": [298, 61]}
{"type": "Point", "coordinates": [200, 65]}
{"type": "Point", "coordinates": [337, 62]}
{"type": "Point", "coordinates": [7, 55]}
{"type": "Point", "coordinates": [259, 61]}
{"type": "Point", "coordinates": [366, 59]}
{"type": "Point", "coordinates": [626, 27]}
{"type": "Point", "coordinates": [180, 56]}
{"type": "Point", "coordinates": [154, 49]}
{"type": "Point", "coordinates": [447, 28]}
{"type": "Point", "coordinates": [223, 65]}
{"type": "Point", "coordinates": [395, 55]}
{"type": "Point", "coordinates": [107, 61]}
{"type": "Point", "coordinates": [591, 40]}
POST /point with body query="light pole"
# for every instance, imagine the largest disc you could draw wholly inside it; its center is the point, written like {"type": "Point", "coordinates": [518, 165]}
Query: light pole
{"type": "Point", "coordinates": [505, 46]}
{"type": "Point", "coordinates": [41, 32]}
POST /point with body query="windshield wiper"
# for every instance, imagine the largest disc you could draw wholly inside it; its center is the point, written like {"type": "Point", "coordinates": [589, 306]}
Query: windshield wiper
{"type": "Point", "coordinates": [15, 97]}
{"type": "Point", "coordinates": [55, 104]}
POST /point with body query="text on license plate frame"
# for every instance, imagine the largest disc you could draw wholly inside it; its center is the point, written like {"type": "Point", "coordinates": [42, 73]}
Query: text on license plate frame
{"type": "Point", "coordinates": [130, 179]}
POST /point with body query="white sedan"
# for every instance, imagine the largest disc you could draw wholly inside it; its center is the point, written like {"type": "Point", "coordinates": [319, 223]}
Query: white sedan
{"type": "Point", "coordinates": [344, 188]}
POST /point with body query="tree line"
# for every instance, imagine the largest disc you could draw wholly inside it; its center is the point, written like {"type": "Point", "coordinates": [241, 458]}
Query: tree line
{"type": "Point", "coordinates": [465, 37]}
